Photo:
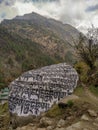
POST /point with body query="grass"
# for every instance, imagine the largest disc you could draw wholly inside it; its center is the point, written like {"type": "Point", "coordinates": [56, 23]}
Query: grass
{"type": "Point", "coordinates": [85, 96]}
{"type": "Point", "coordinates": [3, 108]}
{"type": "Point", "coordinates": [79, 91]}
{"type": "Point", "coordinates": [94, 90]}
{"type": "Point", "coordinates": [4, 116]}
{"type": "Point", "coordinates": [55, 111]}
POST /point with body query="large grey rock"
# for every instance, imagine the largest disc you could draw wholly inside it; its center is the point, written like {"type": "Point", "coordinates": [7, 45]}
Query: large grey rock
{"type": "Point", "coordinates": [37, 90]}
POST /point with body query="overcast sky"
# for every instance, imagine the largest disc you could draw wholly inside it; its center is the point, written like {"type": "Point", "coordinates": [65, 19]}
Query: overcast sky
{"type": "Point", "coordinates": [79, 13]}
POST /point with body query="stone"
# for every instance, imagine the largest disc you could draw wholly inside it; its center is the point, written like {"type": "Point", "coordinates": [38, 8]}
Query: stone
{"type": "Point", "coordinates": [61, 123]}
{"type": "Point", "coordinates": [28, 127]}
{"type": "Point", "coordinates": [76, 126]}
{"type": "Point", "coordinates": [44, 121]}
{"type": "Point", "coordinates": [85, 129]}
{"type": "Point", "coordinates": [96, 120]}
{"type": "Point", "coordinates": [60, 129]}
{"type": "Point", "coordinates": [41, 128]}
{"type": "Point", "coordinates": [31, 125]}
{"type": "Point", "coordinates": [24, 128]}
{"type": "Point", "coordinates": [18, 128]}
{"type": "Point", "coordinates": [21, 128]}
{"type": "Point", "coordinates": [37, 90]}
{"type": "Point", "coordinates": [50, 128]}
{"type": "Point", "coordinates": [69, 118]}
{"type": "Point", "coordinates": [85, 118]}
{"type": "Point", "coordinates": [70, 128]}
{"type": "Point", "coordinates": [92, 113]}
{"type": "Point", "coordinates": [95, 124]}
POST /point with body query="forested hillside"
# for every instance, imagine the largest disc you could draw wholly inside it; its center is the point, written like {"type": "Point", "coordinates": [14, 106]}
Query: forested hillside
{"type": "Point", "coordinates": [18, 55]}
{"type": "Point", "coordinates": [31, 41]}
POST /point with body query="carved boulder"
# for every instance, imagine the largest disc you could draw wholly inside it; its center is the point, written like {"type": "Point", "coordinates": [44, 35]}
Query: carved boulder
{"type": "Point", "coordinates": [37, 90]}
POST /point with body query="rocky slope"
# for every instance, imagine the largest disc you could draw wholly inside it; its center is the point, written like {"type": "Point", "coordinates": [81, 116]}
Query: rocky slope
{"type": "Point", "coordinates": [18, 54]}
{"type": "Point", "coordinates": [53, 35]}
{"type": "Point", "coordinates": [82, 115]}
{"type": "Point", "coordinates": [85, 122]}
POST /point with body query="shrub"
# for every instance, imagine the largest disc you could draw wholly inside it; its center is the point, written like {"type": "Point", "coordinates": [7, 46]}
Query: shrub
{"type": "Point", "coordinates": [82, 70]}
{"type": "Point", "coordinates": [62, 105]}
{"type": "Point", "coordinates": [55, 111]}
{"type": "Point", "coordinates": [70, 103]}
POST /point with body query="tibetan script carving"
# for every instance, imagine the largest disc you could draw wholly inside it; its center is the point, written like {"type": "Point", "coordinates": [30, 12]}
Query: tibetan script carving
{"type": "Point", "coordinates": [37, 90]}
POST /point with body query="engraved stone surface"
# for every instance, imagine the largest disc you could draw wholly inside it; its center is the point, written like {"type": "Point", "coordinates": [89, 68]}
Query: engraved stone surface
{"type": "Point", "coordinates": [36, 91]}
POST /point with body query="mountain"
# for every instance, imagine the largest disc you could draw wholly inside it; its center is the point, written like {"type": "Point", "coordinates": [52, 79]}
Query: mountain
{"type": "Point", "coordinates": [63, 31]}
{"type": "Point", "coordinates": [32, 41]}
{"type": "Point", "coordinates": [51, 34]}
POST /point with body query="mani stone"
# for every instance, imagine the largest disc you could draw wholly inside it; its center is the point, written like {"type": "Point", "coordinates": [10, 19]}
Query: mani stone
{"type": "Point", "coordinates": [36, 91]}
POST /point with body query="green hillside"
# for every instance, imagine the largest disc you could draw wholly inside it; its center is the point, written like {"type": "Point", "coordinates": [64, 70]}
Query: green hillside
{"type": "Point", "coordinates": [18, 55]}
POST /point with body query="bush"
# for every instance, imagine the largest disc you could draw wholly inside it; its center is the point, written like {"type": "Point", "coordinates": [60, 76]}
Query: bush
{"type": "Point", "coordinates": [93, 79]}
{"type": "Point", "coordinates": [70, 103]}
{"type": "Point", "coordinates": [62, 105]}
{"type": "Point", "coordinates": [94, 90]}
{"type": "Point", "coordinates": [10, 62]}
{"type": "Point", "coordinates": [55, 111]}
{"type": "Point", "coordinates": [83, 71]}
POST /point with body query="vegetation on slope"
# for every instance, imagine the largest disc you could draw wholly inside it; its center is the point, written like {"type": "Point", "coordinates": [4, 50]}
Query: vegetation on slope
{"type": "Point", "coordinates": [18, 55]}
{"type": "Point", "coordinates": [26, 43]}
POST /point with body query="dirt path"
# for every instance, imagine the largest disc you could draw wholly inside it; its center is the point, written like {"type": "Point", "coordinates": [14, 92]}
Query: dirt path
{"type": "Point", "coordinates": [70, 97]}
{"type": "Point", "coordinates": [91, 95]}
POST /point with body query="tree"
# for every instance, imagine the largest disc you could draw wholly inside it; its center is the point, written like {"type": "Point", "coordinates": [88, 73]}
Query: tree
{"type": "Point", "coordinates": [87, 47]}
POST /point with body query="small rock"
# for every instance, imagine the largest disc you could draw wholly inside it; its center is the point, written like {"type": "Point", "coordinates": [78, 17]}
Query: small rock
{"type": "Point", "coordinates": [24, 128]}
{"type": "Point", "coordinates": [70, 128]}
{"type": "Point", "coordinates": [0, 125]}
{"type": "Point", "coordinates": [41, 128]}
{"type": "Point", "coordinates": [96, 120]}
{"type": "Point", "coordinates": [85, 129]}
{"type": "Point", "coordinates": [92, 113]}
{"type": "Point", "coordinates": [60, 129]}
{"type": "Point", "coordinates": [84, 117]}
{"type": "Point", "coordinates": [95, 124]}
{"type": "Point", "coordinates": [69, 118]}
{"type": "Point", "coordinates": [18, 128]}
{"type": "Point", "coordinates": [50, 128]}
{"type": "Point", "coordinates": [45, 121]}
{"type": "Point", "coordinates": [61, 123]}
{"type": "Point", "coordinates": [75, 126]}
{"type": "Point", "coordinates": [30, 124]}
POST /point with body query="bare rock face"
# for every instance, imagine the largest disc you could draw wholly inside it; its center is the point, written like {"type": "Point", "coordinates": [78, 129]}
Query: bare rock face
{"type": "Point", "coordinates": [37, 90]}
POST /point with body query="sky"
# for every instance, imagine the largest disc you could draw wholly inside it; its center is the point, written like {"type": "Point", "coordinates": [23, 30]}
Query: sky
{"type": "Point", "coordinates": [79, 13]}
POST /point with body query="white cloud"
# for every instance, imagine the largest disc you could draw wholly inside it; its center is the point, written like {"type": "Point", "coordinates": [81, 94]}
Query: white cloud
{"type": "Point", "coordinates": [73, 12]}
{"type": "Point", "coordinates": [7, 12]}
